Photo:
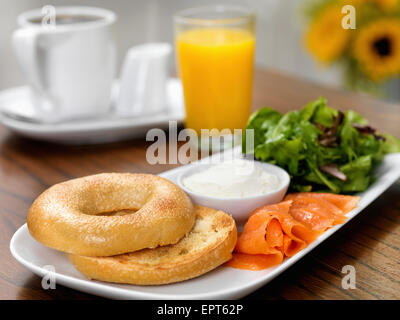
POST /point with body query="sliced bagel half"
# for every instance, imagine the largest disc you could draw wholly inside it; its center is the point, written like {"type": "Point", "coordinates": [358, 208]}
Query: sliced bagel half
{"type": "Point", "coordinates": [208, 245]}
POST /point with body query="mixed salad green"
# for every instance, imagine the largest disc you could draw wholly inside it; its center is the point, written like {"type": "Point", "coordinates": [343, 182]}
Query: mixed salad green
{"type": "Point", "coordinates": [321, 148]}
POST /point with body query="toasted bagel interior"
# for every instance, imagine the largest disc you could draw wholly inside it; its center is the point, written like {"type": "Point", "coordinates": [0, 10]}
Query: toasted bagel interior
{"type": "Point", "coordinates": [209, 244]}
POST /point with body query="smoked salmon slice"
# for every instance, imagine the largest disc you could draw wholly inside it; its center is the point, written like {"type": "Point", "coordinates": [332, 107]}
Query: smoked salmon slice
{"type": "Point", "coordinates": [253, 262]}
{"type": "Point", "coordinates": [263, 234]}
{"type": "Point", "coordinates": [320, 211]}
{"type": "Point", "coordinates": [343, 202]}
{"type": "Point", "coordinates": [281, 230]}
{"type": "Point", "coordinates": [269, 235]}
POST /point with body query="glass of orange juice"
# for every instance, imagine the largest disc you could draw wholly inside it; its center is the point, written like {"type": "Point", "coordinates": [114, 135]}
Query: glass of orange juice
{"type": "Point", "coordinates": [215, 56]}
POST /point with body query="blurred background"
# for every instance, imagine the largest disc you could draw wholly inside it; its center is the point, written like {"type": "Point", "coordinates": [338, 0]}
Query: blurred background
{"type": "Point", "coordinates": [303, 37]}
{"type": "Point", "coordinates": [280, 26]}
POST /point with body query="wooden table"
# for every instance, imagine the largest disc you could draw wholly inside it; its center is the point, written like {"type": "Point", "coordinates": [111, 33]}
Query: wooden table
{"type": "Point", "coordinates": [370, 242]}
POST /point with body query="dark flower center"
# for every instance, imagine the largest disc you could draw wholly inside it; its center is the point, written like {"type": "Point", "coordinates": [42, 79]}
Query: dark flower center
{"type": "Point", "coordinates": [382, 46]}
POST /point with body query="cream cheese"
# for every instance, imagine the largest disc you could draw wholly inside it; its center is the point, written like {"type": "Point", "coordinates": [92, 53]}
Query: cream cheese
{"type": "Point", "coordinates": [237, 178]}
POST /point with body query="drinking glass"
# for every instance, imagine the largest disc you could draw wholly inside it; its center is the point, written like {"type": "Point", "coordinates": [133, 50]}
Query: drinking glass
{"type": "Point", "coordinates": [215, 57]}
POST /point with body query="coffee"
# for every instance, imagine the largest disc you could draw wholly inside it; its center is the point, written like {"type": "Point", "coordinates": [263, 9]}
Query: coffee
{"type": "Point", "coordinates": [69, 19]}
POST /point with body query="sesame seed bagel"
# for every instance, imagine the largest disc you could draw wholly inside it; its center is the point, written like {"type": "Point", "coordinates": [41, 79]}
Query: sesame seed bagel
{"type": "Point", "coordinates": [111, 213]}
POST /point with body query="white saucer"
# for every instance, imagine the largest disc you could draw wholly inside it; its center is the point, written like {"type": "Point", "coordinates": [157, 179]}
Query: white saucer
{"type": "Point", "coordinates": [17, 114]}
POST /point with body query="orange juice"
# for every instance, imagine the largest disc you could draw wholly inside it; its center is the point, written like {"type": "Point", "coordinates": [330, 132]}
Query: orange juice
{"type": "Point", "coordinates": [216, 68]}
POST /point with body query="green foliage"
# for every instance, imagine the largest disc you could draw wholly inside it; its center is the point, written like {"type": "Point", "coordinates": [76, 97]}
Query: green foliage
{"type": "Point", "coordinates": [292, 141]}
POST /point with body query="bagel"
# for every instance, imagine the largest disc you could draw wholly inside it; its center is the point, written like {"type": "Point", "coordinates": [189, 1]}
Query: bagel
{"type": "Point", "coordinates": [208, 245]}
{"type": "Point", "coordinates": [111, 213]}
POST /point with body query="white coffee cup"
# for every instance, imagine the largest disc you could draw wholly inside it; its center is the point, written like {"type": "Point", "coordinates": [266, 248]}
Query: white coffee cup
{"type": "Point", "coordinates": [69, 62]}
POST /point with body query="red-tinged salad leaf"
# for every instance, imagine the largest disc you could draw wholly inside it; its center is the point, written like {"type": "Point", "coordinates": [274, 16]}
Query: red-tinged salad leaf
{"type": "Point", "coordinates": [333, 170]}
{"type": "Point", "coordinates": [323, 149]}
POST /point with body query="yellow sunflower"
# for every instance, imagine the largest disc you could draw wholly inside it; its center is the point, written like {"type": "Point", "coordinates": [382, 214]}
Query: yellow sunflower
{"type": "Point", "coordinates": [326, 39]}
{"type": "Point", "coordinates": [383, 4]}
{"type": "Point", "coordinates": [377, 49]}
{"type": "Point", "coordinates": [387, 4]}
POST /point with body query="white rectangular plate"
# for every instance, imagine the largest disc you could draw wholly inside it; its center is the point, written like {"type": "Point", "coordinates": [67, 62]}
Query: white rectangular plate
{"type": "Point", "coordinates": [221, 283]}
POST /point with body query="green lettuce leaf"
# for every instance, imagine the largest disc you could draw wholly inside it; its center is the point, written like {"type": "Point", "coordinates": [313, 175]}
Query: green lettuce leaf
{"type": "Point", "coordinates": [293, 142]}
